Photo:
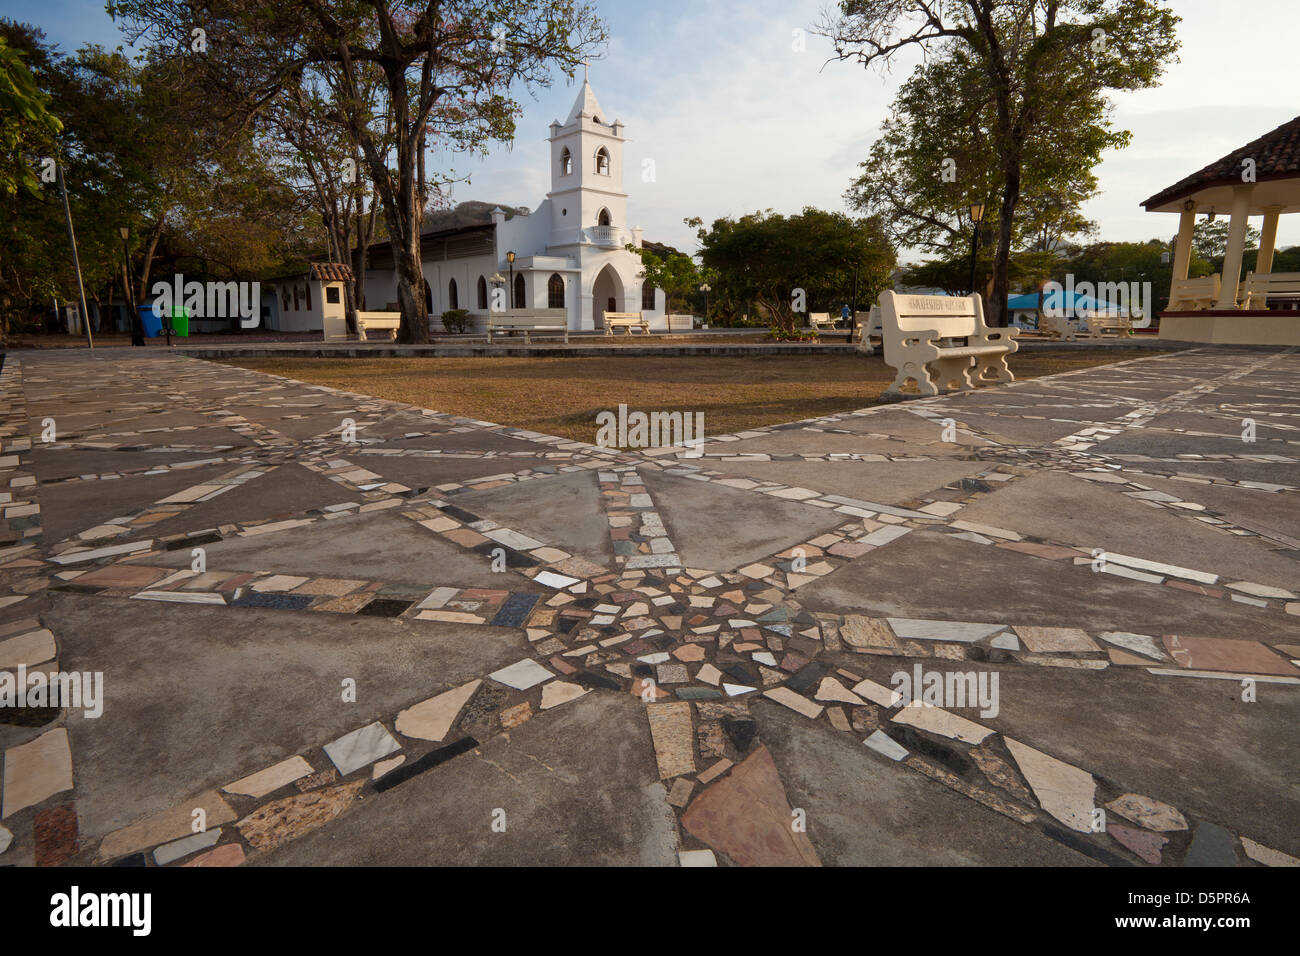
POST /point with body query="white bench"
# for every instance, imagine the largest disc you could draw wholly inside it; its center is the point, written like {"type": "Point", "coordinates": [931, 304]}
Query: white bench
{"type": "Point", "coordinates": [683, 322]}
{"type": "Point", "coordinates": [821, 321]}
{"type": "Point", "coordinates": [528, 321]}
{"type": "Point", "coordinates": [1057, 326]}
{"type": "Point", "coordinates": [1257, 289]}
{"type": "Point", "coordinates": [1101, 324]}
{"type": "Point", "coordinates": [388, 322]}
{"type": "Point", "coordinates": [627, 321]}
{"type": "Point", "coordinates": [936, 341]}
{"type": "Point", "coordinates": [1191, 294]}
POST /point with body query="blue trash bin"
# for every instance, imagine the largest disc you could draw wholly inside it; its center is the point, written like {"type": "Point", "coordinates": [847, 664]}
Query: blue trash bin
{"type": "Point", "coordinates": [152, 323]}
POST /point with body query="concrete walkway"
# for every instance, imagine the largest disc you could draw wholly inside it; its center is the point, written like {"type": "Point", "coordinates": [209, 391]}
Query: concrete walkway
{"type": "Point", "coordinates": [310, 627]}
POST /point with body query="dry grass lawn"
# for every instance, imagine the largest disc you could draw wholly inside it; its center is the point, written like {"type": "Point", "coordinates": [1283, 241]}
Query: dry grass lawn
{"type": "Point", "coordinates": [562, 396]}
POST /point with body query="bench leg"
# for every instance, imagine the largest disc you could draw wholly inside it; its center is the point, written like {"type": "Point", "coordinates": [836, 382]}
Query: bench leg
{"type": "Point", "coordinates": [952, 374]}
{"type": "Point", "coordinates": [392, 335]}
{"type": "Point", "coordinates": [993, 368]}
{"type": "Point", "coordinates": [916, 372]}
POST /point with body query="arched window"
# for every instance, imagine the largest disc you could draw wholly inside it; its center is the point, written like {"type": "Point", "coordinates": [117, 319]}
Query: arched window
{"type": "Point", "coordinates": [482, 293]}
{"type": "Point", "coordinates": [602, 219]}
{"type": "Point", "coordinates": [602, 161]}
{"type": "Point", "coordinates": [647, 297]}
{"type": "Point", "coordinates": [519, 292]}
{"type": "Point", "coordinates": [428, 298]}
{"type": "Point", "coordinates": [566, 162]}
{"type": "Point", "coordinates": [453, 300]}
{"type": "Point", "coordinates": [555, 292]}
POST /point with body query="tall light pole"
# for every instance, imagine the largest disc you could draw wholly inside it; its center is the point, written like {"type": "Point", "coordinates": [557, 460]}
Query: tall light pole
{"type": "Point", "coordinates": [76, 261]}
{"type": "Point", "coordinates": [510, 258]}
{"type": "Point", "coordinates": [976, 217]}
{"type": "Point", "coordinates": [706, 289]}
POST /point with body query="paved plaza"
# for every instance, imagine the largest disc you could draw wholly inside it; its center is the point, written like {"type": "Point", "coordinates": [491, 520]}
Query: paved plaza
{"type": "Point", "coordinates": [350, 631]}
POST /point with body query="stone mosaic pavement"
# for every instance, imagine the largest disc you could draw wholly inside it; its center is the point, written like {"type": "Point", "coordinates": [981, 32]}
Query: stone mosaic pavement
{"type": "Point", "coordinates": [414, 638]}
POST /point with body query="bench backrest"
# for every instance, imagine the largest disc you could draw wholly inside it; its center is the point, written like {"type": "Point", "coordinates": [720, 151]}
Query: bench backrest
{"type": "Point", "coordinates": [819, 317]}
{"type": "Point", "coordinates": [1281, 282]}
{"type": "Point", "coordinates": [634, 316]}
{"type": "Point", "coordinates": [949, 315]}
{"type": "Point", "coordinates": [557, 318]}
{"type": "Point", "coordinates": [378, 318]}
{"type": "Point", "coordinates": [1204, 287]}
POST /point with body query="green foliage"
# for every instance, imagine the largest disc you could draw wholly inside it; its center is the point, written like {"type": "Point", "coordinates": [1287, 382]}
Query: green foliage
{"type": "Point", "coordinates": [1210, 238]}
{"type": "Point", "coordinates": [455, 320]}
{"type": "Point", "coordinates": [1022, 86]}
{"type": "Point", "coordinates": [763, 258]}
{"type": "Point", "coordinates": [26, 125]}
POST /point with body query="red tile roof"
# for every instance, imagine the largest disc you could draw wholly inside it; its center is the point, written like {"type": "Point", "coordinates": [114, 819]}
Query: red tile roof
{"type": "Point", "coordinates": [330, 272]}
{"type": "Point", "coordinates": [1276, 155]}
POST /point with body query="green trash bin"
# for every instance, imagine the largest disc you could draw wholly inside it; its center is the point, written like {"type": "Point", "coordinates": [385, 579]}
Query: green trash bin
{"type": "Point", "coordinates": [180, 321]}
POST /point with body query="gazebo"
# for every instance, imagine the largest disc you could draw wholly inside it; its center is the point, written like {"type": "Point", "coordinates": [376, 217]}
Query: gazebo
{"type": "Point", "coordinates": [1261, 178]}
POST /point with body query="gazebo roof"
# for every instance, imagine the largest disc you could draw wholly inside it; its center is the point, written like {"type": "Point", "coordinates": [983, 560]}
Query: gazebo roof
{"type": "Point", "coordinates": [1277, 176]}
{"type": "Point", "coordinates": [330, 272]}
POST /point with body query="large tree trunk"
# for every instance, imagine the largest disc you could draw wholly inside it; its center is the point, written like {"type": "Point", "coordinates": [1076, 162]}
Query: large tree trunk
{"type": "Point", "coordinates": [995, 310]}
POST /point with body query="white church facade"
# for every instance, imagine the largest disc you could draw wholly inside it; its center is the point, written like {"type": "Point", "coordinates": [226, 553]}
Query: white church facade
{"type": "Point", "coordinates": [569, 253]}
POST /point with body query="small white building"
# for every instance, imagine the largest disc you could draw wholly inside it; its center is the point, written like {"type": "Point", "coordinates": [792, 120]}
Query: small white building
{"type": "Point", "coordinates": [569, 253]}
{"type": "Point", "coordinates": [307, 302]}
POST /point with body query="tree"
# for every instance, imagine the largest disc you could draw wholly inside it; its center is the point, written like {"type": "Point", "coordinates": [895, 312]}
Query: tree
{"type": "Point", "coordinates": [450, 69]}
{"type": "Point", "coordinates": [26, 124]}
{"type": "Point", "coordinates": [664, 267]}
{"type": "Point", "coordinates": [810, 261]}
{"type": "Point", "coordinates": [1030, 58]}
{"type": "Point", "coordinates": [1210, 238]}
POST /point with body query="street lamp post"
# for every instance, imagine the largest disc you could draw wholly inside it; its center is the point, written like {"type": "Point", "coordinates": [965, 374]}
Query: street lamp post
{"type": "Point", "coordinates": [510, 258]}
{"type": "Point", "coordinates": [137, 329]}
{"type": "Point", "coordinates": [706, 289]}
{"type": "Point", "coordinates": [976, 217]}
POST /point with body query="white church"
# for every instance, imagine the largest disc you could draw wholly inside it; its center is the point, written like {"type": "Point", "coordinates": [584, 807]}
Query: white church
{"type": "Point", "coordinates": [567, 254]}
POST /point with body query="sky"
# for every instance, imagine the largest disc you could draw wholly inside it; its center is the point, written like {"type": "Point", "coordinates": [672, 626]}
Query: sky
{"type": "Point", "coordinates": [738, 118]}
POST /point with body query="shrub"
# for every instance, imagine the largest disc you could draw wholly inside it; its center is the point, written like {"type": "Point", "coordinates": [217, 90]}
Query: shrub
{"type": "Point", "coordinates": [455, 320]}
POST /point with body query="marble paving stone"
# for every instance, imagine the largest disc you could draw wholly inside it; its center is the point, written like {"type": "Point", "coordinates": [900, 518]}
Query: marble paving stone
{"type": "Point", "coordinates": [384, 766]}
{"type": "Point", "coordinates": [166, 825]}
{"type": "Point", "coordinates": [231, 854]}
{"type": "Point", "coordinates": [859, 631]}
{"type": "Point", "coordinates": [29, 649]}
{"type": "Point", "coordinates": [959, 631]}
{"type": "Point", "coordinates": [1148, 813]}
{"type": "Point", "coordinates": [877, 693]}
{"type": "Point", "coordinates": [1212, 845]}
{"type": "Point", "coordinates": [832, 689]}
{"type": "Point", "coordinates": [522, 675]}
{"type": "Point", "coordinates": [1000, 773]}
{"type": "Point", "coordinates": [512, 717]}
{"type": "Point", "coordinates": [697, 858]}
{"type": "Point", "coordinates": [1256, 851]}
{"type": "Point", "coordinates": [286, 819]}
{"type": "Point", "coordinates": [1146, 845]}
{"type": "Point", "coordinates": [361, 747]}
{"type": "Point", "coordinates": [432, 719]}
{"type": "Point", "coordinates": [271, 779]}
{"type": "Point", "coordinates": [680, 793]}
{"type": "Point", "coordinates": [36, 771]}
{"type": "Point", "coordinates": [54, 832]}
{"type": "Point", "coordinates": [796, 702]}
{"type": "Point", "coordinates": [881, 743]}
{"type": "Point", "coordinates": [673, 737]}
{"type": "Point", "coordinates": [171, 852]}
{"type": "Point", "coordinates": [1007, 642]}
{"type": "Point", "coordinates": [944, 723]}
{"type": "Point", "coordinates": [1048, 640]}
{"type": "Point", "coordinates": [6, 838]}
{"type": "Point", "coordinates": [1143, 644]}
{"type": "Point", "coordinates": [1221, 654]}
{"type": "Point", "coordinates": [746, 816]}
{"type": "Point", "coordinates": [1064, 791]}
{"type": "Point", "coordinates": [560, 692]}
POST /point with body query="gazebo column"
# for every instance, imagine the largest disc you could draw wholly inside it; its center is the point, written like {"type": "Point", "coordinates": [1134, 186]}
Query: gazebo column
{"type": "Point", "coordinates": [1236, 244]}
{"type": "Point", "coordinates": [1183, 248]}
{"type": "Point", "coordinates": [1267, 241]}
